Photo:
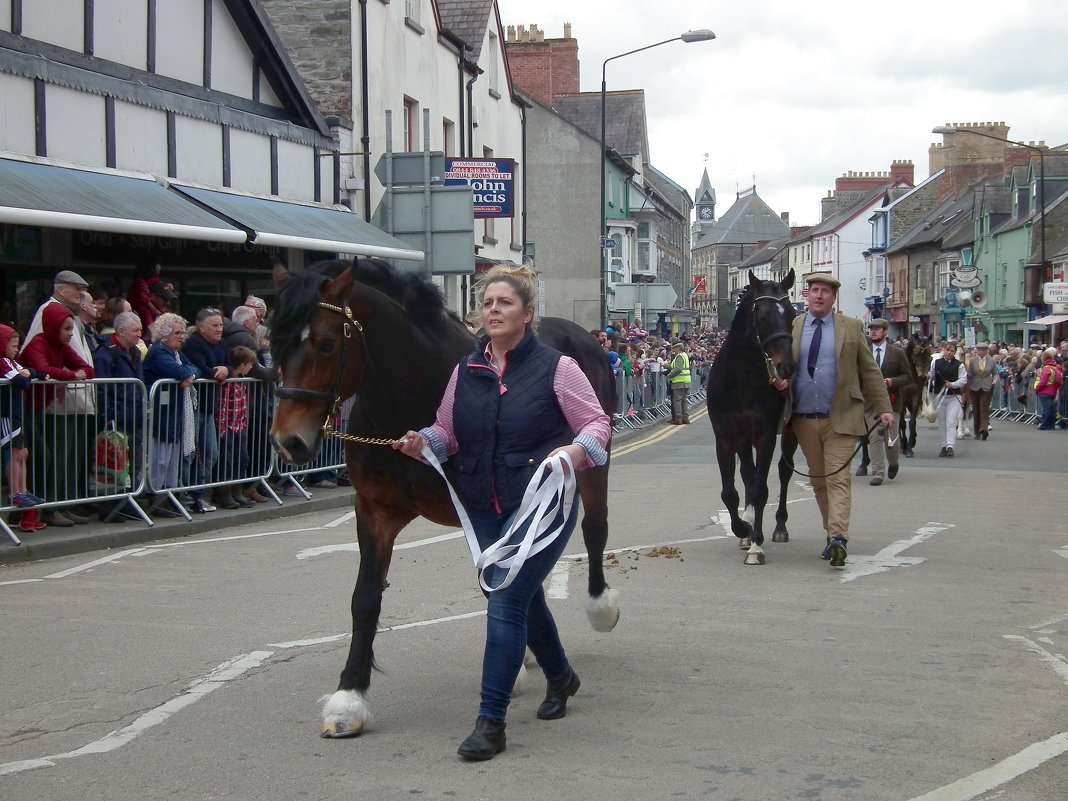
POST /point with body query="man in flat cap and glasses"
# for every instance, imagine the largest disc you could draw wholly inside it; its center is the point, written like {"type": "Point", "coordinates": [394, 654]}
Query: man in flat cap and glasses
{"type": "Point", "coordinates": [836, 378]}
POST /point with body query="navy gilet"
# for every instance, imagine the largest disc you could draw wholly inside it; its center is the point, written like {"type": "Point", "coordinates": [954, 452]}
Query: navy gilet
{"type": "Point", "coordinates": [505, 428]}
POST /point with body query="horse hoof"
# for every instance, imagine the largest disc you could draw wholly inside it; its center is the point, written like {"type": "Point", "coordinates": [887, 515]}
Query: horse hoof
{"type": "Point", "coordinates": [345, 714]}
{"type": "Point", "coordinates": [603, 611]}
{"type": "Point", "coordinates": [780, 536]}
{"type": "Point", "coordinates": [744, 543]}
{"type": "Point", "coordinates": [754, 559]}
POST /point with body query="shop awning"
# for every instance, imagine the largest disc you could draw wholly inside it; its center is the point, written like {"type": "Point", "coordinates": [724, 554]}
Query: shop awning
{"type": "Point", "coordinates": [53, 196]}
{"type": "Point", "coordinates": [1050, 319]}
{"type": "Point", "coordinates": [288, 224]}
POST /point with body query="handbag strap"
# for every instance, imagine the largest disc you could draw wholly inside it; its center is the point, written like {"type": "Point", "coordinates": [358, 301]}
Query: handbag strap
{"type": "Point", "coordinates": [549, 494]}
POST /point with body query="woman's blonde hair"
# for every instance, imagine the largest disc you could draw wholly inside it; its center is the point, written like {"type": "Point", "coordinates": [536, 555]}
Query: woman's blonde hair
{"type": "Point", "coordinates": [518, 276]}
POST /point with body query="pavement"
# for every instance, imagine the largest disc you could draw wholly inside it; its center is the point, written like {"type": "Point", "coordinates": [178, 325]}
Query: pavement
{"type": "Point", "coordinates": [98, 536]}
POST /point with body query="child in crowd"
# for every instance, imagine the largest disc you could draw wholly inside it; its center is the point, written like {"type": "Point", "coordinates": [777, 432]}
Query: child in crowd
{"type": "Point", "coordinates": [11, 434]}
{"type": "Point", "coordinates": [231, 418]}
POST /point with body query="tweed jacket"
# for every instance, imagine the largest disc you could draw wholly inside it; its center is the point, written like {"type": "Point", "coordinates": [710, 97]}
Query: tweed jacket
{"type": "Point", "coordinates": [981, 373]}
{"type": "Point", "coordinates": [859, 377]}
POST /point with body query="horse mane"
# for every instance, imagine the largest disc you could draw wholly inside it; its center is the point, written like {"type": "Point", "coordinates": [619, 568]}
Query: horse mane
{"type": "Point", "coordinates": [299, 297]}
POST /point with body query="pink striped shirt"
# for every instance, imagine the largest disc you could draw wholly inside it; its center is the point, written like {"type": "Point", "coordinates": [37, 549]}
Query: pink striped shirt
{"type": "Point", "coordinates": [577, 400]}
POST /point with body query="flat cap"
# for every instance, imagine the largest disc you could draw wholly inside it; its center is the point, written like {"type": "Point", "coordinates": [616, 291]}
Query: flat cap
{"type": "Point", "coordinates": [71, 277]}
{"type": "Point", "coordinates": [823, 278]}
{"type": "Point", "coordinates": [879, 322]}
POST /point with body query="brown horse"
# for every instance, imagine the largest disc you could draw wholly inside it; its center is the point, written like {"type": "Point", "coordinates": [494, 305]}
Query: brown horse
{"type": "Point", "coordinates": [362, 329]}
{"type": "Point", "coordinates": [918, 351]}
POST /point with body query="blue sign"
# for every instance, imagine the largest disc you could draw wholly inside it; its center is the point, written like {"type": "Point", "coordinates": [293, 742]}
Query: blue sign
{"type": "Point", "coordinates": [491, 183]}
{"type": "Point", "coordinates": [609, 243]}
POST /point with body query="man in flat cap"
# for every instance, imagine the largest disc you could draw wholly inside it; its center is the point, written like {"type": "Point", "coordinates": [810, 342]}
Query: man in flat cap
{"type": "Point", "coordinates": [884, 448]}
{"type": "Point", "coordinates": [982, 372]}
{"type": "Point", "coordinates": [836, 377]}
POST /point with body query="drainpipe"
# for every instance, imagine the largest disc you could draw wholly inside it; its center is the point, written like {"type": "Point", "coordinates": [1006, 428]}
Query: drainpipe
{"type": "Point", "coordinates": [523, 106]}
{"type": "Point", "coordinates": [365, 139]}
{"type": "Point", "coordinates": [470, 114]}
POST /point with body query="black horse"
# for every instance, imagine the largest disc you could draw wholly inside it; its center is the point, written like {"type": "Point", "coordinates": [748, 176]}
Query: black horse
{"type": "Point", "coordinates": [747, 411]}
{"type": "Point", "coordinates": [363, 329]}
{"type": "Point", "coordinates": [918, 350]}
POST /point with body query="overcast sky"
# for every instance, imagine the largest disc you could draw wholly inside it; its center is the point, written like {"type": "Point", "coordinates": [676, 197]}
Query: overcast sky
{"type": "Point", "coordinates": [798, 93]}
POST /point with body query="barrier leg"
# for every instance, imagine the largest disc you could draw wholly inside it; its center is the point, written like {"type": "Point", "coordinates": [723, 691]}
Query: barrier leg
{"type": "Point", "coordinates": [10, 534]}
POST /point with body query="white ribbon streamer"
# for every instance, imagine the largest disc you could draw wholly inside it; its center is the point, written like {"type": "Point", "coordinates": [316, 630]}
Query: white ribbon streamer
{"type": "Point", "coordinates": [551, 491]}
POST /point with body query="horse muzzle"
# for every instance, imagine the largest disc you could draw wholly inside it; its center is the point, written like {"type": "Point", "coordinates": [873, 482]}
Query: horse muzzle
{"type": "Point", "coordinates": [294, 448]}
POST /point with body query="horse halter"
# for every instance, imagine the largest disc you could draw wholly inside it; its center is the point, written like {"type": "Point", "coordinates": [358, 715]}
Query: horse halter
{"type": "Point", "coordinates": [334, 396]}
{"type": "Point", "coordinates": [762, 344]}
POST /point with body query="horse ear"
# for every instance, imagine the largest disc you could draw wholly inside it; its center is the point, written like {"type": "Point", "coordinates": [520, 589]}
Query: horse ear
{"type": "Point", "coordinates": [752, 278]}
{"type": "Point", "coordinates": [788, 281]}
{"type": "Point", "coordinates": [341, 285]}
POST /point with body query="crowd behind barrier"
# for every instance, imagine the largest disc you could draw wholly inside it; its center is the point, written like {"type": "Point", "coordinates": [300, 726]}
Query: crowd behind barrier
{"type": "Point", "coordinates": [145, 451]}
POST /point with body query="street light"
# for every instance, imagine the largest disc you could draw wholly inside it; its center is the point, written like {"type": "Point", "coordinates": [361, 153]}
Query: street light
{"type": "Point", "coordinates": [951, 129]}
{"type": "Point", "coordinates": [700, 35]}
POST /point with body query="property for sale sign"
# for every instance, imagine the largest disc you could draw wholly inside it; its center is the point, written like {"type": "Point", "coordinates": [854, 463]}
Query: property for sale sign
{"type": "Point", "coordinates": [490, 181]}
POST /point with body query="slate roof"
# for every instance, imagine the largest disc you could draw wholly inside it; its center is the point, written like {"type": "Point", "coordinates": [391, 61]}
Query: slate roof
{"type": "Point", "coordinates": [765, 254]}
{"type": "Point", "coordinates": [467, 20]}
{"type": "Point", "coordinates": [933, 228]}
{"type": "Point", "coordinates": [748, 221]}
{"type": "Point", "coordinates": [625, 129]}
{"type": "Point", "coordinates": [673, 194]}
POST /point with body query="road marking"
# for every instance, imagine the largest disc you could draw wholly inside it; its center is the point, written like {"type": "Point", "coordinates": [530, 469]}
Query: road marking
{"type": "Point", "coordinates": [322, 550]}
{"type": "Point", "coordinates": [381, 630]}
{"type": "Point", "coordinates": [1056, 661]}
{"type": "Point", "coordinates": [343, 519]}
{"type": "Point", "coordinates": [653, 437]}
{"type": "Point", "coordinates": [20, 581]}
{"type": "Point", "coordinates": [95, 563]}
{"type": "Point", "coordinates": [117, 739]}
{"type": "Point", "coordinates": [558, 577]}
{"type": "Point", "coordinates": [858, 566]}
{"type": "Point", "coordinates": [1005, 771]}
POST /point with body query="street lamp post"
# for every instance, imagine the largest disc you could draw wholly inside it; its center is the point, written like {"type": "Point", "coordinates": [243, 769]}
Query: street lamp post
{"type": "Point", "coordinates": [1041, 205]}
{"type": "Point", "coordinates": [700, 35]}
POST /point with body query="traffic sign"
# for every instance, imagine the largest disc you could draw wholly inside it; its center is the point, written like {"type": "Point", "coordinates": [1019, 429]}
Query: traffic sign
{"type": "Point", "coordinates": [609, 243]}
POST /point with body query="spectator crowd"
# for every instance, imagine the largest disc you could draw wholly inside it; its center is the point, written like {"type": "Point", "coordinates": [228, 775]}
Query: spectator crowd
{"type": "Point", "coordinates": [75, 388]}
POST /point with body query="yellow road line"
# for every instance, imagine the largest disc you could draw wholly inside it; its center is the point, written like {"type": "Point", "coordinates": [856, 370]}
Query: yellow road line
{"type": "Point", "coordinates": [656, 436]}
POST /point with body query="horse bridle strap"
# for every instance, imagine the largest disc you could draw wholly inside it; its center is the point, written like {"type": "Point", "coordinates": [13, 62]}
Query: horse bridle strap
{"type": "Point", "coordinates": [762, 344]}
{"type": "Point", "coordinates": [333, 397]}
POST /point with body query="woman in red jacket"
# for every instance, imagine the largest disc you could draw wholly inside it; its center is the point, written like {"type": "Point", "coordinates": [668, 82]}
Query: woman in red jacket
{"type": "Point", "coordinates": [59, 451]}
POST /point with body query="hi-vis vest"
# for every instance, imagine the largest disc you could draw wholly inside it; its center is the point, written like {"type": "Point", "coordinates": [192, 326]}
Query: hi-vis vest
{"type": "Point", "coordinates": [684, 369]}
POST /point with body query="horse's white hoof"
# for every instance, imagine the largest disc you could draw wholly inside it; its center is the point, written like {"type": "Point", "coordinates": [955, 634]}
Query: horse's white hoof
{"type": "Point", "coordinates": [603, 612]}
{"type": "Point", "coordinates": [345, 714]}
{"type": "Point", "coordinates": [755, 556]}
{"type": "Point", "coordinates": [520, 681]}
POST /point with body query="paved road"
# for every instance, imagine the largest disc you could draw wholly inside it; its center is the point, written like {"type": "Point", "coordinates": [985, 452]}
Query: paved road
{"type": "Point", "coordinates": [931, 668]}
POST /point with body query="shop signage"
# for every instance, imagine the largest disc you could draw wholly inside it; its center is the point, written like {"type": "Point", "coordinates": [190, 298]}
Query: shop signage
{"type": "Point", "coordinates": [492, 187]}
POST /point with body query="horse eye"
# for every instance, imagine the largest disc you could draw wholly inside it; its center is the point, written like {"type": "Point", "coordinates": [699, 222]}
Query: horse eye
{"type": "Point", "coordinates": [325, 346]}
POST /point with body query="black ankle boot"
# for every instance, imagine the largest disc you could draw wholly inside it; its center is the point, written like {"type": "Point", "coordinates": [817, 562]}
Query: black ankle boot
{"type": "Point", "coordinates": [555, 704]}
{"type": "Point", "coordinates": [485, 742]}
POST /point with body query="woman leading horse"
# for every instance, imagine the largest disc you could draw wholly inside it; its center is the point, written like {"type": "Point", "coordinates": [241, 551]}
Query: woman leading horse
{"type": "Point", "coordinates": [362, 329]}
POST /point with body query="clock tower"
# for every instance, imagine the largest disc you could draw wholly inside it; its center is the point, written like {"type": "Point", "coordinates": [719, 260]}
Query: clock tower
{"type": "Point", "coordinates": [705, 204]}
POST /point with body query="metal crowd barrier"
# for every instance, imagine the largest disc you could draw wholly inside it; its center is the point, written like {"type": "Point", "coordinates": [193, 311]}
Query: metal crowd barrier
{"type": "Point", "coordinates": [192, 451]}
{"type": "Point", "coordinates": [84, 446]}
{"type": "Point", "coordinates": [647, 398]}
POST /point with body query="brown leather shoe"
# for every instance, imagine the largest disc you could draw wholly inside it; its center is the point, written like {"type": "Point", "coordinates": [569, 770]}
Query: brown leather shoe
{"type": "Point", "coordinates": [74, 517]}
{"type": "Point", "coordinates": [253, 495]}
{"type": "Point", "coordinates": [56, 519]}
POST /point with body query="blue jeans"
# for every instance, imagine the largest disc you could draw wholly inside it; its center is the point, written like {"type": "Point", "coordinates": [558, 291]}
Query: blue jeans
{"type": "Point", "coordinates": [1048, 404]}
{"type": "Point", "coordinates": [518, 616]}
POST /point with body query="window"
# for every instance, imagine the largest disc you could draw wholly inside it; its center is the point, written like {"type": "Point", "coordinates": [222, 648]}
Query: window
{"type": "Point", "coordinates": [488, 233]}
{"type": "Point", "coordinates": [448, 136]}
{"type": "Point", "coordinates": [409, 134]}
{"type": "Point", "coordinates": [491, 67]}
{"type": "Point", "coordinates": [412, 9]}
